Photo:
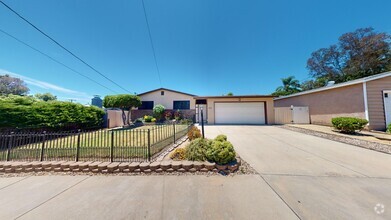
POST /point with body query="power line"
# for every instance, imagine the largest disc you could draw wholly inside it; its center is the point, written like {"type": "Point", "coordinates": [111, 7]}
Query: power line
{"type": "Point", "coordinates": [150, 39]}
{"type": "Point", "coordinates": [53, 40]}
{"type": "Point", "coordinates": [53, 59]}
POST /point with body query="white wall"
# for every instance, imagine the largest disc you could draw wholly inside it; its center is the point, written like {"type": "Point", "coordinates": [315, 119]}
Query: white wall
{"type": "Point", "coordinates": [168, 99]}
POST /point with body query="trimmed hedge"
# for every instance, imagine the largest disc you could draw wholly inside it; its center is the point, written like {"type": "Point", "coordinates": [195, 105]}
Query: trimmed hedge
{"type": "Point", "coordinates": [348, 124]}
{"type": "Point", "coordinates": [28, 112]}
{"type": "Point", "coordinates": [389, 128]}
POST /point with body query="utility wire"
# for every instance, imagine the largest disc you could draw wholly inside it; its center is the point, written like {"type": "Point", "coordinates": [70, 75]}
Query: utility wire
{"type": "Point", "coordinates": [53, 59]}
{"type": "Point", "coordinates": [56, 42]}
{"type": "Point", "coordinates": [150, 39]}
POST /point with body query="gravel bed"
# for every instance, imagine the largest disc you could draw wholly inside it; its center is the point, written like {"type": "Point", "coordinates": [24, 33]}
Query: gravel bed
{"type": "Point", "coordinates": [383, 148]}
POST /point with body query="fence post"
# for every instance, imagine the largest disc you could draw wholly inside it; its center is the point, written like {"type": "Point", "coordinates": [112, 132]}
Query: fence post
{"type": "Point", "coordinates": [112, 147]}
{"type": "Point", "coordinates": [149, 145]}
{"type": "Point", "coordinates": [174, 132]}
{"type": "Point", "coordinates": [78, 146]}
{"type": "Point", "coordinates": [9, 147]}
{"type": "Point", "coordinates": [43, 145]}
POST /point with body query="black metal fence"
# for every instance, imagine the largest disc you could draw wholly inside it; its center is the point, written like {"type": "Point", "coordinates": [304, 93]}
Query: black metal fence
{"type": "Point", "coordinates": [123, 145]}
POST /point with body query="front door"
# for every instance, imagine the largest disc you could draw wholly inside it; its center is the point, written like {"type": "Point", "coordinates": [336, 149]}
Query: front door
{"type": "Point", "coordinates": [387, 106]}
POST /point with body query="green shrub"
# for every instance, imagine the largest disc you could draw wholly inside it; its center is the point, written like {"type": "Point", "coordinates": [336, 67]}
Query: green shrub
{"type": "Point", "coordinates": [27, 112]}
{"type": "Point", "coordinates": [221, 138]}
{"type": "Point", "coordinates": [196, 150]}
{"type": "Point", "coordinates": [178, 115]}
{"type": "Point", "coordinates": [158, 111]}
{"type": "Point", "coordinates": [389, 128]}
{"type": "Point", "coordinates": [178, 154]}
{"type": "Point", "coordinates": [221, 152]}
{"type": "Point", "coordinates": [193, 133]}
{"type": "Point", "coordinates": [349, 125]}
{"type": "Point", "coordinates": [153, 120]}
{"type": "Point", "coordinates": [148, 118]}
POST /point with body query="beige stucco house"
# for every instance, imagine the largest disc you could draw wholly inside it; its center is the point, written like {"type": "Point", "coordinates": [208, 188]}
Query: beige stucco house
{"type": "Point", "coordinates": [368, 98]}
{"type": "Point", "coordinates": [170, 99]}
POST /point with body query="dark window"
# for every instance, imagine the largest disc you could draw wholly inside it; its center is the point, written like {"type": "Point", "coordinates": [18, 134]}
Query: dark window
{"type": "Point", "coordinates": [181, 104]}
{"type": "Point", "coordinates": [146, 105]}
{"type": "Point", "coordinates": [162, 93]}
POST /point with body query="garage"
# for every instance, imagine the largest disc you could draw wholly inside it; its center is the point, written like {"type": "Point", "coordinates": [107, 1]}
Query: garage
{"type": "Point", "coordinates": [240, 113]}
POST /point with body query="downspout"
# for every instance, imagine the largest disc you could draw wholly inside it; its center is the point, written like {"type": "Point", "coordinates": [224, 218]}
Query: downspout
{"type": "Point", "coordinates": [364, 87]}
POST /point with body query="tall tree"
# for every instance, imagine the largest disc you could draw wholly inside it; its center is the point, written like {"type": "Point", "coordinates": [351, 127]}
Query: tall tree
{"type": "Point", "coordinates": [357, 54]}
{"type": "Point", "coordinates": [124, 102]}
{"type": "Point", "coordinates": [46, 96]}
{"type": "Point", "coordinates": [230, 94]}
{"type": "Point", "coordinates": [289, 86]}
{"type": "Point", "coordinates": [12, 85]}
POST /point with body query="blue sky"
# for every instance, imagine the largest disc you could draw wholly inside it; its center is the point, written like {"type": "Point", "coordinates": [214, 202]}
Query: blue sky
{"type": "Point", "coordinates": [204, 47]}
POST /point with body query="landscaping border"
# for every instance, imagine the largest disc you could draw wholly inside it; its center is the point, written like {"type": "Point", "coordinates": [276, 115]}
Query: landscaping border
{"type": "Point", "coordinates": [383, 148]}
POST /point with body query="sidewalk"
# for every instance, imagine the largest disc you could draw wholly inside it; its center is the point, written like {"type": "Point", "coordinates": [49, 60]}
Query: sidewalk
{"type": "Point", "coordinates": [363, 135]}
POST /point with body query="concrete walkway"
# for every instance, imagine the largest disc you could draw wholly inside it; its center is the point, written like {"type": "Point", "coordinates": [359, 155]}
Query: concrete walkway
{"type": "Point", "coordinates": [301, 177]}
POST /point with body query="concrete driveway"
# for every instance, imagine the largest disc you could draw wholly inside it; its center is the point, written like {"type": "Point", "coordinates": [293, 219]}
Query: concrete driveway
{"type": "Point", "coordinates": [301, 177]}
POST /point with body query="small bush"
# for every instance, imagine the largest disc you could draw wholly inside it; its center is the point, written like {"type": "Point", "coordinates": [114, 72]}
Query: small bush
{"type": "Point", "coordinates": [153, 120]}
{"type": "Point", "coordinates": [148, 118]}
{"type": "Point", "coordinates": [168, 115]}
{"type": "Point", "coordinates": [221, 138]}
{"type": "Point", "coordinates": [158, 111]}
{"type": "Point", "coordinates": [178, 115]}
{"type": "Point", "coordinates": [349, 125]}
{"type": "Point", "coordinates": [196, 150]}
{"type": "Point", "coordinates": [178, 154]}
{"type": "Point", "coordinates": [193, 133]}
{"type": "Point", "coordinates": [221, 152]}
{"type": "Point", "coordinates": [389, 128]}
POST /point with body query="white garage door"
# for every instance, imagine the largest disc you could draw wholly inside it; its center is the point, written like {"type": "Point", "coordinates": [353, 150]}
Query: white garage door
{"type": "Point", "coordinates": [240, 113]}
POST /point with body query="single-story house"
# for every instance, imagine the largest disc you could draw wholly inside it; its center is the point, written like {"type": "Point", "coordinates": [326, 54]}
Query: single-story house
{"type": "Point", "coordinates": [368, 98]}
{"type": "Point", "coordinates": [170, 99]}
{"type": "Point", "coordinates": [246, 109]}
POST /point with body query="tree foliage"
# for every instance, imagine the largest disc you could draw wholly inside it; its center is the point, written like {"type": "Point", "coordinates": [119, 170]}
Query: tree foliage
{"type": "Point", "coordinates": [28, 112]}
{"type": "Point", "coordinates": [46, 97]}
{"type": "Point", "coordinates": [289, 86]}
{"type": "Point", "coordinates": [124, 102]}
{"type": "Point", "coordinates": [357, 54]}
{"type": "Point", "coordinates": [12, 85]}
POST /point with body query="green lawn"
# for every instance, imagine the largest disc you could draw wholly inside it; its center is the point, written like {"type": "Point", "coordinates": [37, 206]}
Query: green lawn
{"type": "Point", "coordinates": [131, 144]}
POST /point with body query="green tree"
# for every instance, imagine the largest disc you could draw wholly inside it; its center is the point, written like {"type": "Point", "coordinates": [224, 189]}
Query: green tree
{"type": "Point", "coordinates": [289, 86]}
{"type": "Point", "coordinates": [124, 102]}
{"type": "Point", "coordinates": [230, 94]}
{"type": "Point", "coordinates": [46, 96]}
{"type": "Point", "coordinates": [357, 54]}
{"type": "Point", "coordinates": [12, 85]}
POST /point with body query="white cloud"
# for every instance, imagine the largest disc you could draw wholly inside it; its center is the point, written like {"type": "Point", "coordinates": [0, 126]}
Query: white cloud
{"type": "Point", "coordinates": [45, 85]}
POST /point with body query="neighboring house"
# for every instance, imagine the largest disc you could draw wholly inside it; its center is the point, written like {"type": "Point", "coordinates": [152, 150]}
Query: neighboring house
{"type": "Point", "coordinates": [170, 99]}
{"type": "Point", "coordinates": [246, 109]}
{"type": "Point", "coordinates": [96, 101]}
{"type": "Point", "coordinates": [368, 98]}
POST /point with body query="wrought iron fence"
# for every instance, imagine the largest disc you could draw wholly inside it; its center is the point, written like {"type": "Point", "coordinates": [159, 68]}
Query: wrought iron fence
{"type": "Point", "coordinates": [122, 145]}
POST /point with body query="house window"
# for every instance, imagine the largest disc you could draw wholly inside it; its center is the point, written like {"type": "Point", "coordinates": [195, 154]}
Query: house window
{"type": "Point", "coordinates": [146, 105]}
{"type": "Point", "coordinates": [182, 105]}
{"type": "Point", "coordinates": [162, 93]}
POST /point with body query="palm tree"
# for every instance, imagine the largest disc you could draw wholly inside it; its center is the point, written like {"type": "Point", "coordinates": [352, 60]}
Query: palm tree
{"type": "Point", "coordinates": [289, 86]}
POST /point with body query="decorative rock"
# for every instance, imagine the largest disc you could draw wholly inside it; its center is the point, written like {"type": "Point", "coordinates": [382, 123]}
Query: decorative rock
{"type": "Point", "coordinates": [7, 165]}
{"type": "Point", "coordinates": [75, 166]}
{"type": "Point", "coordinates": [84, 165]}
{"type": "Point", "coordinates": [123, 166]}
{"type": "Point", "coordinates": [38, 169]}
{"type": "Point", "coordinates": [233, 168]}
{"type": "Point", "coordinates": [86, 170]}
{"type": "Point", "coordinates": [93, 165]}
{"type": "Point", "coordinates": [103, 166]}
{"type": "Point", "coordinates": [182, 170]}
{"type": "Point", "coordinates": [137, 170]}
{"type": "Point", "coordinates": [147, 171]}
{"type": "Point", "coordinates": [18, 170]}
{"type": "Point", "coordinates": [8, 170]}
{"type": "Point", "coordinates": [95, 170]}
{"type": "Point", "coordinates": [46, 164]}
{"type": "Point", "coordinates": [221, 167]}
{"type": "Point", "coordinates": [165, 165]}
{"type": "Point", "coordinates": [28, 169]}
{"type": "Point", "coordinates": [27, 165]}
{"type": "Point", "coordinates": [159, 170]}
{"type": "Point", "coordinates": [238, 161]}
{"type": "Point", "coordinates": [187, 165]}
{"type": "Point", "coordinates": [170, 170]}
{"type": "Point", "coordinates": [134, 166]}
{"type": "Point", "coordinates": [64, 165]}
{"type": "Point", "coordinates": [144, 166]}
{"type": "Point", "coordinates": [48, 169]}
{"type": "Point", "coordinates": [57, 164]}
{"type": "Point", "coordinates": [176, 165]}
{"type": "Point", "coordinates": [209, 165]}
{"type": "Point", "coordinates": [57, 169]}
{"type": "Point", "coordinates": [198, 165]}
{"type": "Point", "coordinates": [154, 166]}
{"type": "Point", "coordinates": [193, 170]}
{"type": "Point", "coordinates": [204, 170]}
{"type": "Point", "coordinates": [113, 166]}
{"type": "Point", "coordinates": [215, 170]}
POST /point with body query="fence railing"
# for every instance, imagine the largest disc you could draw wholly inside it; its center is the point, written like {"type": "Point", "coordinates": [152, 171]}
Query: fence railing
{"type": "Point", "coordinates": [122, 145]}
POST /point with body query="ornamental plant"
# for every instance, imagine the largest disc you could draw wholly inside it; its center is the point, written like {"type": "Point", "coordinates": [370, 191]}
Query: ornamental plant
{"type": "Point", "coordinates": [194, 133]}
{"type": "Point", "coordinates": [389, 129]}
{"type": "Point", "coordinates": [158, 111]}
{"type": "Point", "coordinates": [168, 115]}
{"type": "Point", "coordinates": [196, 150]}
{"type": "Point", "coordinates": [178, 115]}
{"type": "Point", "coordinates": [349, 125]}
{"type": "Point", "coordinates": [221, 152]}
{"type": "Point", "coordinates": [148, 118]}
{"type": "Point", "coordinates": [178, 154]}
